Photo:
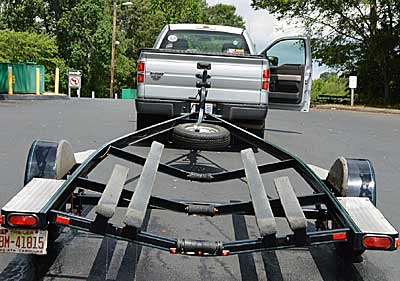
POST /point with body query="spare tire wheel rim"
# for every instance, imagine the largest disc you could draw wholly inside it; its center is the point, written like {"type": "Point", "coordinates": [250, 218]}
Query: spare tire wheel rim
{"type": "Point", "coordinates": [202, 129]}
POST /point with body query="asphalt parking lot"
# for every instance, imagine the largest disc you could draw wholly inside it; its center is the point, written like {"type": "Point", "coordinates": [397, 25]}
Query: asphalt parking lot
{"type": "Point", "coordinates": [318, 137]}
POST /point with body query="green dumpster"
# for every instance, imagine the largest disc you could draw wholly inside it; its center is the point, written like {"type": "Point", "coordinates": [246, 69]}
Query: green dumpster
{"type": "Point", "coordinates": [129, 94]}
{"type": "Point", "coordinates": [24, 77]}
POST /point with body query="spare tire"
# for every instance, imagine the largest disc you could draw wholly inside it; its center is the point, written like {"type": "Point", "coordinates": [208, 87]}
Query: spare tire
{"type": "Point", "coordinates": [204, 137]}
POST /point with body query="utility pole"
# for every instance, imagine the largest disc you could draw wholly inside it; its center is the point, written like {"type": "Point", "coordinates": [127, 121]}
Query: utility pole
{"type": "Point", "coordinates": [114, 30]}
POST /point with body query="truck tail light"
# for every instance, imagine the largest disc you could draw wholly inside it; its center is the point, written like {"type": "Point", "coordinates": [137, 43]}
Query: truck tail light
{"type": "Point", "coordinates": [140, 78]}
{"type": "Point", "coordinates": [22, 220]}
{"type": "Point", "coordinates": [265, 79]}
{"type": "Point", "coordinates": [1, 219]}
{"type": "Point", "coordinates": [140, 71]}
{"type": "Point", "coordinates": [140, 67]}
{"type": "Point", "coordinates": [377, 242]}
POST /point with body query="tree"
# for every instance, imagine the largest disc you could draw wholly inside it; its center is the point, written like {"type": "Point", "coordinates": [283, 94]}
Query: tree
{"type": "Point", "coordinates": [32, 47]}
{"type": "Point", "coordinates": [359, 36]}
{"type": "Point", "coordinates": [179, 11]}
{"type": "Point", "coordinates": [329, 84]}
{"type": "Point", "coordinates": [222, 14]}
{"type": "Point", "coordinates": [83, 31]}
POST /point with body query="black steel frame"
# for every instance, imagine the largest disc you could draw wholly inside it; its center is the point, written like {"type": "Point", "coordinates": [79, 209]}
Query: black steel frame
{"type": "Point", "coordinates": [322, 196]}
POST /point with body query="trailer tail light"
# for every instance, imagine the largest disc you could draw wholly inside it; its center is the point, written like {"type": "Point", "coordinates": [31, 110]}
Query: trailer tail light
{"type": "Point", "coordinates": [339, 236]}
{"type": "Point", "coordinates": [140, 67]}
{"type": "Point", "coordinates": [265, 85]}
{"type": "Point", "coordinates": [62, 220]}
{"type": "Point", "coordinates": [22, 220]}
{"type": "Point", "coordinates": [1, 219]}
{"type": "Point", "coordinates": [140, 78]}
{"type": "Point", "coordinates": [173, 251]}
{"type": "Point", "coordinates": [397, 243]}
{"type": "Point", "coordinates": [377, 242]}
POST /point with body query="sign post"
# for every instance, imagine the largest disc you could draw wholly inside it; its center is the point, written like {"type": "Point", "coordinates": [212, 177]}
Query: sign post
{"type": "Point", "coordinates": [74, 81]}
{"type": "Point", "coordinates": [352, 86]}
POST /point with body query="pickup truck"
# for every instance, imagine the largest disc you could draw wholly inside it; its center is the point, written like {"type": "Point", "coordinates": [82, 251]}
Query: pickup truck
{"type": "Point", "coordinates": [243, 84]}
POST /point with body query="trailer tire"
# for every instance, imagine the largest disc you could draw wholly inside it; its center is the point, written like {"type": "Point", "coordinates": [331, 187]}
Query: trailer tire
{"type": "Point", "coordinates": [210, 136]}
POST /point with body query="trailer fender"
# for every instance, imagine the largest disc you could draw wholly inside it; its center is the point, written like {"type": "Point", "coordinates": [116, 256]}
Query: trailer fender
{"type": "Point", "coordinates": [353, 178]}
{"type": "Point", "coordinates": [48, 159]}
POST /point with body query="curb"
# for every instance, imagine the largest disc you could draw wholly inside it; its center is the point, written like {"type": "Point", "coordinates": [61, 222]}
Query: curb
{"type": "Point", "coordinates": [18, 97]}
{"type": "Point", "coordinates": [356, 109]}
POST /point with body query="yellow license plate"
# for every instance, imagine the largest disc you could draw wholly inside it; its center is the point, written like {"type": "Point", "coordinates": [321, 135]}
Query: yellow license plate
{"type": "Point", "coordinates": [23, 241]}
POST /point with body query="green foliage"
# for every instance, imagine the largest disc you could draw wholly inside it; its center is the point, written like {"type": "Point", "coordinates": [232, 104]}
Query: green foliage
{"type": "Point", "coordinates": [178, 11]}
{"type": "Point", "coordinates": [329, 84]}
{"type": "Point", "coordinates": [80, 34]}
{"type": "Point", "coordinates": [356, 36]}
{"type": "Point", "coordinates": [32, 47]}
{"type": "Point", "coordinates": [84, 37]}
{"type": "Point", "coordinates": [222, 14]}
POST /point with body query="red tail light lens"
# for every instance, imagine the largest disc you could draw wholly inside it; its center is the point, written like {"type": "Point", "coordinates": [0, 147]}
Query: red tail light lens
{"type": "Point", "coordinates": [265, 85]}
{"type": "Point", "coordinates": [22, 220]}
{"type": "Point", "coordinates": [266, 74]}
{"type": "Point", "coordinates": [173, 251]}
{"type": "Point", "coordinates": [397, 243]}
{"type": "Point", "coordinates": [140, 78]}
{"type": "Point", "coordinates": [1, 219]}
{"type": "Point", "coordinates": [377, 242]}
{"type": "Point", "coordinates": [140, 66]}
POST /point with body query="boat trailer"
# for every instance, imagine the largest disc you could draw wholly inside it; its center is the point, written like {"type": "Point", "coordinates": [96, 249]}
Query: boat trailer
{"type": "Point", "coordinates": [341, 206]}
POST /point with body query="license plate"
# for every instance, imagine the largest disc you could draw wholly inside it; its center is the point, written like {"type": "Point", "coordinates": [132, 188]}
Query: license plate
{"type": "Point", "coordinates": [23, 241]}
{"type": "Point", "coordinates": [208, 108]}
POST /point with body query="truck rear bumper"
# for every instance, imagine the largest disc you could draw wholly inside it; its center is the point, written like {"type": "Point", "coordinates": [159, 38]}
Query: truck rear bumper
{"type": "Point", "coordinates": [228, 111]}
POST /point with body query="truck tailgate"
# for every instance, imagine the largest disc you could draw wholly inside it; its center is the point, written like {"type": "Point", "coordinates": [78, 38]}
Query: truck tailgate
{"type": "Point", "coordinates": [235, 79]}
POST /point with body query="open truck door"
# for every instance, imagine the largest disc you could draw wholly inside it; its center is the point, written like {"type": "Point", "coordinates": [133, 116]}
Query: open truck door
{"type": "Point", "coordinates": [291, 73]}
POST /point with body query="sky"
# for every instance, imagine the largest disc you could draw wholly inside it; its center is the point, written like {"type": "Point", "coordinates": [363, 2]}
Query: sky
{"type": "Point", "coordinates": [263, 27]}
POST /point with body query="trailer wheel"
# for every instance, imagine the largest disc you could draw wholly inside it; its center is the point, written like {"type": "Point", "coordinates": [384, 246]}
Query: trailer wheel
{"type": "Point", "coordinates": [204, 137]}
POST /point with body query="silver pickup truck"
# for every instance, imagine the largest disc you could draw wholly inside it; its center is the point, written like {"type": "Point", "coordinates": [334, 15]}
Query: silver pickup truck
{"type": "Point", "coordinates": [243, 84]}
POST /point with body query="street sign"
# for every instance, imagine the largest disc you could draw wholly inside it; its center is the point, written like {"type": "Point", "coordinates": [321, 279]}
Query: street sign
{"type": "Point", "coordinates": [74, 81]}
{"type": "Point", "coordinates": [352, 82]}
{"type": "Point", "coordinates": [352, 86]}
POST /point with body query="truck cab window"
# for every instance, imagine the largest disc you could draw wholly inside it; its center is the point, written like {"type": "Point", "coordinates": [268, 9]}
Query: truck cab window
{"type": "Point", "coordinates": [205, 41]}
